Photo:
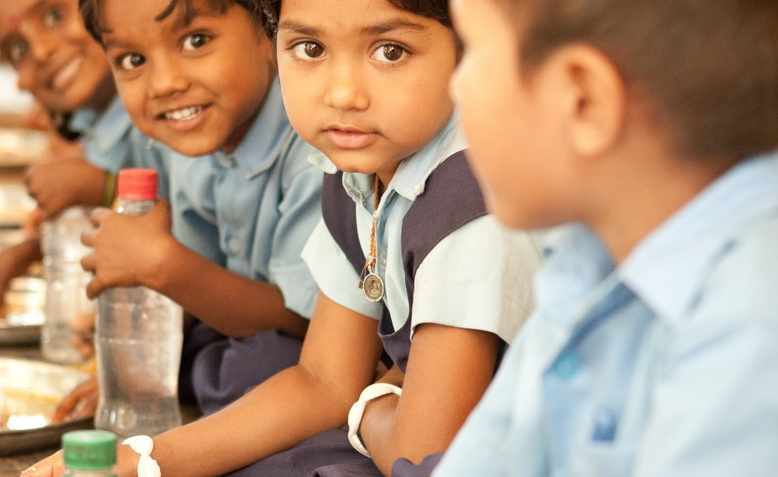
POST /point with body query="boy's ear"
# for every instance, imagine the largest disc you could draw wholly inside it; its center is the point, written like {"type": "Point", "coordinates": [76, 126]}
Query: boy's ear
{"type": "Point", "coordinates": [593, 99]}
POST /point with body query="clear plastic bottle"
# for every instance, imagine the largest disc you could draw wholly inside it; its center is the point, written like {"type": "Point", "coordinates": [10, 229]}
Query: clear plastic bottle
{"type": "Point", "coordinates": [89, 453]}
{"type": "Point", "coordinates": [66, 282]}
{"type": "Point", "coordinates": [138, 339]}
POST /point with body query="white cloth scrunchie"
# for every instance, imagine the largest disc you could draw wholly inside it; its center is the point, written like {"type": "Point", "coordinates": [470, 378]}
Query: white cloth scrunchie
{"type": "Point", "coordinates": [143, 445]}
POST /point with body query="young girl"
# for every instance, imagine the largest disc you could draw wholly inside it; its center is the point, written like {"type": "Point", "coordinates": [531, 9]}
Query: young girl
{"type": "Point", "coordinates": [405, 251]}
{"type": "Point", "coordinates": [652, 351]}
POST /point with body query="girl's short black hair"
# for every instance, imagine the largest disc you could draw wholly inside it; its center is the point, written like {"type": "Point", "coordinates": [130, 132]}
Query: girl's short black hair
{"type": "Point", "coordinates": [90, 11]}
{"type": "Point", "coordinates": [435, 9]}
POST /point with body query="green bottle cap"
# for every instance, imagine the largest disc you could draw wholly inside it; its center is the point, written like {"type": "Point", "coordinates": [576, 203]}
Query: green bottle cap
{"type": "Point", "coordinates": [89, 450]}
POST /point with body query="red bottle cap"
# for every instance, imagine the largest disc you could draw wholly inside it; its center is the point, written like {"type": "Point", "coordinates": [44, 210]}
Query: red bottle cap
{"type": "Point", "coordinates": [137, 184]}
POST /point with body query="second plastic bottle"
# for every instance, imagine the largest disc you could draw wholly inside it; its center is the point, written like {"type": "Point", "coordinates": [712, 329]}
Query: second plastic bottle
{"type": "Point", "coordinates": [138, 339]}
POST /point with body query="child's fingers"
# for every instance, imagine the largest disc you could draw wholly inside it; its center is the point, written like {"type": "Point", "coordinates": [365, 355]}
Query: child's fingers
{"type": "Point", "coordinates": [89, 262]}
{"type": "Point", "coordinates": [73, 402]}
{"type": "Point", "coordinates": [162, 208]}
{"type": "Point", "coordinates": [88, 238]}
{"type": "Point", "coordinates": [86, 407]}
{"type": "Point", "coordinates": [98, 215]}
{"type": "Point", "coordinates": [95, 288]}
{"type": "Point", "coordinates": [51, 466]}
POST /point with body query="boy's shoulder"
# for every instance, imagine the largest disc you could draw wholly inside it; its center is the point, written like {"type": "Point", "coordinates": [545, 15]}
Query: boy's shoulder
{"type": "Point", "coordinates": [296, 157]}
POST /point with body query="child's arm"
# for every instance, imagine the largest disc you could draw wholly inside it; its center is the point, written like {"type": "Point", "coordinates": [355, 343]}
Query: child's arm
{"type": "Point", "coordinates": [65, 181]}
{"type": "Point", "coordinates": [65, 178]}
{"type": "Point", "coordinates": [338, 360]}
{"type": "Point", "coordinates": [140, 250]}
{"type": "Point", "coordinates": [15, 260]}
{"type": "Point", "coordinates": [448, 369]}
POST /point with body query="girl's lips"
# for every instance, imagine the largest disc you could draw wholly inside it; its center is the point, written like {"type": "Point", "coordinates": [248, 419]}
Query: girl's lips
{"type": "Point", "coordinates": [351, 139]}
{"type": "Point", "coordinates": [67, 74]}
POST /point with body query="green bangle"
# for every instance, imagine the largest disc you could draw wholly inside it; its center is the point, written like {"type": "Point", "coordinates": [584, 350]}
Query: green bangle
{"type": "Point", "coordinates": [109, 190]}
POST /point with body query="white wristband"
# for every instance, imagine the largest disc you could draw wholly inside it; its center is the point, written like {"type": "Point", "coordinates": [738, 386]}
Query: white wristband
{"type": "Point", "coordinates": [143, 445]}
{"type": "Point", "coordinates": [374, 391]}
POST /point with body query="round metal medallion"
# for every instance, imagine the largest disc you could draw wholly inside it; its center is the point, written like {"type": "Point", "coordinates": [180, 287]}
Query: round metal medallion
{"type": "Point", "coordinates": [373, 287]}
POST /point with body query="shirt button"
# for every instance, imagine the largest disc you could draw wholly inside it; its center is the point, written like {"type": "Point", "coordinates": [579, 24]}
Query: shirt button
{"type": "Point", "coordinates": [567, 365]}
{"type": "Point", "coordinates": [234, 245]}
{"type": "Point", "coordinates": [606, 423]}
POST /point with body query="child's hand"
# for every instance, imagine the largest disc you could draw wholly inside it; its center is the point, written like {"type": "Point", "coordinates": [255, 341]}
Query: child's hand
{"type": "Point", "coordinates": [14, 262]}
{"type": "Point", "coordinates": [80, 403]}
{"type": "Point", "coordinates": [83, 327]}
{"type": "Point", "coordinates": [32, 226]}
{"type": "Point", "coordinates": [128, 250]}
{"type": "Point", "coordinates": [57, 184]}
{"type": "Point", "coordinates": [38, 118]}
{"type": "Point", "coordinates": [53, 466]}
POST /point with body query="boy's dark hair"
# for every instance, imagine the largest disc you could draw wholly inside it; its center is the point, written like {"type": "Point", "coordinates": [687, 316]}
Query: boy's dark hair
{"type": "Point", "coordinates": [709, 68]}
{"type": "Point", "coordinates": [435, 9]}
{"type": "Point", "coordinates": [90, 12]}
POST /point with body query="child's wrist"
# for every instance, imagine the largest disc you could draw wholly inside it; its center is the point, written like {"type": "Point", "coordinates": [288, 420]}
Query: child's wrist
{"type": "Point", "coordinates": [158, 275]}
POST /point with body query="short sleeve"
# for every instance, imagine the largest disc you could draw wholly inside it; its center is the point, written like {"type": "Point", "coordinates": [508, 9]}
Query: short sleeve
{"type": "Point", "coordinates": [334, 275]}
{"type": "Point", "coordinates": [108, 144]}
{"type": "Point", "coordinates": [479, 277]}
{"type": "Point", "coordinates": [300, 211]}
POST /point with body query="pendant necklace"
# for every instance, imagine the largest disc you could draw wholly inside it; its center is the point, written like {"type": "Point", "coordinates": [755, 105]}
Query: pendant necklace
{"type": "Point", "coordinates": [371, 283]}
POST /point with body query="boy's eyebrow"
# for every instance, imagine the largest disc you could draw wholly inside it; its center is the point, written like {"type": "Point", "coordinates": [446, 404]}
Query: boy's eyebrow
{"type": "Point", "coordinates": [372, 30]}
{"type": "Point", "coordinates": [109, 42]}
{"type": "Point", "coordinates": [298, 27]}
{"type": "Point", "coordinates": [14, 20]}
{"type": "Point", "coordinates": [391, 25]}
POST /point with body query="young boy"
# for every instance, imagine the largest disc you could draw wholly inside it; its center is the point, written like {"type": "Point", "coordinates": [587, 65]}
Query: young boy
{"type": "Point", "coordinates": [200, 80]}
{"type": "Point", "coordinates": [366, 83]}
{"type": "Point", "coordinates": [652, 351]}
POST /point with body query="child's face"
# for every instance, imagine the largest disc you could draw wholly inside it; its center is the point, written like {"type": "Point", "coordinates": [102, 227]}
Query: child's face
{"type": "Point", "coordinates": [194, 87]}
{"type": "Point", "coordinates": [364, 81]}
{"type": "Point", "coordinates": [514, 145]}
{"type": "Point", "coordinates": [57, 60]}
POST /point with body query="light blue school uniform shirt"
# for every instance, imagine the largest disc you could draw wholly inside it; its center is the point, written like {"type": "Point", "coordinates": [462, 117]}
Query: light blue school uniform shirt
{"type": "Point", "coordinates": [478, 277]}
{"type": "Point", "coordinates": [250, 211]}
{"type": "Point", "coordinates": [665, 366]}
{"type": "Point", "coordinates": [110, 141]}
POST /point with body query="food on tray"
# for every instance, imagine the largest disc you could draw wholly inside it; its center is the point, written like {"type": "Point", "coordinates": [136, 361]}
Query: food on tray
{"type": "Point", "coordinates": [22, 409]}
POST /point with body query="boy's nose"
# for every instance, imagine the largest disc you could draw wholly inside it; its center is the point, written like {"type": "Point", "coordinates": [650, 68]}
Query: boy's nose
{"type": "Point", "coordinates": [166, 79]}
{"type": "Point", "coordinates": [42, 45]}
{"type": "Point", "coordinates": [345, 91]}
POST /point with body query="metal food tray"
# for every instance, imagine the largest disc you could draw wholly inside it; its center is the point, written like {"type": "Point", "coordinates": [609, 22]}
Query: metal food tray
{"type": "Point", "coordinates": [24, 308]}
{"type": "Point", "coordinates": [18, 335]}
{"type": "Point", "coordinates": [50, 383]}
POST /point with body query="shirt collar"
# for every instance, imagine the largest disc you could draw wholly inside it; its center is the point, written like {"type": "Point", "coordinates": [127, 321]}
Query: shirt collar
{"type": "Point", "coordinates": [265, 139]}
{"type": "Point", "coordinates": [411, 176]}
{"type": "Point", "coordinates": [105, 130]}
{"type": "Point", "coordinates": [83, 120]}
{"type": "Point", "coordinates": [576, 262]}
{"type": "Point", "coordinates": [667, 269]}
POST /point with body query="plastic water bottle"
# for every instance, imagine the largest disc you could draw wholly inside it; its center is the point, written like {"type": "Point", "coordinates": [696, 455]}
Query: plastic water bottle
{"type": "Point", "coordinates": [138, 339]}
{"type": "Point", "coordinates": [89, 453]}
{"type": "Point", "coordinates": [66, 284]}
